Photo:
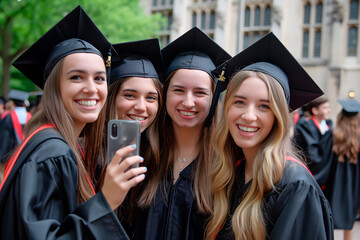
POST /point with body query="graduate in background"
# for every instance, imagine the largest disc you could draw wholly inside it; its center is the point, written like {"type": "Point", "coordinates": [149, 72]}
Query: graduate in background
{"type": "Point", "coordinates": [308, 133]}
{"type": "Point", "coordinates": [261, 189]}
{"type": "Point", "coordinates": [13, 123]}
{"type": "Point", "coordinates": [342, 149]}
{"type": "Point", "coordinates": [47, 192]}
{"type": "Point", "coordinates": [178, 195]}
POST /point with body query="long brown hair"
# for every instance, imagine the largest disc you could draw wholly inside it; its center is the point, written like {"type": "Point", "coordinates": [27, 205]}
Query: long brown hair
{"type": "Point", "coordinates": [346, 138]}
{"type": "Point", "coordinates": [149, 150]}
{"type": "Point", "coordinates": [247, 220]}
{"type": "Point", "coordinates": [202, 187]}
{"type": "Point", "coordinates": [53, 111]}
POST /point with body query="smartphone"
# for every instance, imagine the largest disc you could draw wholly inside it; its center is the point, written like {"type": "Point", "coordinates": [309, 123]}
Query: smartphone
{"type": "Point", "coordinates": [122, 133]}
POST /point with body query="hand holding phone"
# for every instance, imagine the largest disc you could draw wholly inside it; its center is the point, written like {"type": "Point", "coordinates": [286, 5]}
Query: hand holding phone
{"type": "Point", "coordinates": [122, 133]}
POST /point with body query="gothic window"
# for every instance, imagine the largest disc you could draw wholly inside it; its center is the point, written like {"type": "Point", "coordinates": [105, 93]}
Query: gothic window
{"type": "Point", "coordinates": [317, 47]}
{"type": "Point", "coordinates": [257, 16]}
{"type": "Point", "coordinates": [247, 17]}
{"type": "Point", "coordinates": [203, 20]}
{"type": "Point", "coordinates": [352, 41]}
{"type": "Point", "coordinates": [319, 13]}
{"type": "Point", "coordinates": [194, 19]}
{"type": "Point", "coordinates": [212, 20]}
{"type": "Point", "coordinates": [267, 17]}
{"type": "Point", "coordinates": [307, 13]}
{"type": "Point", "coordinates": [305, 49]}
{"type": "Point", "coordinates": [354, 9]}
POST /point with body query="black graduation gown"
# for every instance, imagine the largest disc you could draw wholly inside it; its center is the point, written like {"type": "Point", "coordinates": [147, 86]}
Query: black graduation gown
{"type": "Point", "coordinates": [8, 140]}
{"type": "Point", "coordinates": [297, 209]}
{"type": "Point", "coordinates": [177, 218]}
{"type": "Point", "coordinates": [308, 138]}
{"type": "Point", "coordinates": [38, 200]}
{"type": "Point", "coordinates": [343, 189]}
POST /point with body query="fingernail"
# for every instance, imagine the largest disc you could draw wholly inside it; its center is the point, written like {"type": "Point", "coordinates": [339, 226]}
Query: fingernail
{"type": "Point", "coordinates": [145, 168]}
{"type": "Point", "coordinates": [133, 146]}
{"type": "Point", "coordinates": [143, 175]}
{"type": "Point", "coordinates": [142, 159]}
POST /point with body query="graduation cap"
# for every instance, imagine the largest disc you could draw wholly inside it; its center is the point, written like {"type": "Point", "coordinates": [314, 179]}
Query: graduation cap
{"type": "Point", "coordinates": [351, 107]}
{"type": "Point", "coordinates": [270, 56]}
{"type": "Point", "coordinates": [196, 50]}
{"type": "Point", "coordinates": [18, 95]}
{"type": "Point", "coordinates": [193, 50]}
{"type": "Point", "coordinates": [75, 33]}
{"type": "Point", "coordinates": [137, 59]}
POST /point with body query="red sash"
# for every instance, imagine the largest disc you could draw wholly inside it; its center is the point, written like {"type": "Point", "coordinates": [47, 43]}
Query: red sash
{"type": "Point", "coordinates": [88, 179]}
{"type": "Point", "coordinates": [17, 126]}
{"type": "Point", "coordinates": [11, 162]}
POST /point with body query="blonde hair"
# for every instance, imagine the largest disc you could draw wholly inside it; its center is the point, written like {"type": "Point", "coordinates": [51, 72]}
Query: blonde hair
{"type": "Point", "coordinates": [346, 138]}
{"type": "Point", "coordinates": [53, 111]}
{"type": "Point", "coordinates": [247, 220]}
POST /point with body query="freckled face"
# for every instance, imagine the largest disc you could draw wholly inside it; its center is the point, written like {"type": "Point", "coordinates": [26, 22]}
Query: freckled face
{"type": "Point", "coordinates": [189, 98]}
{"type": "Point", "coordinates": [83, 87]}
{"type": "Point", "coordinates": [249, 116]}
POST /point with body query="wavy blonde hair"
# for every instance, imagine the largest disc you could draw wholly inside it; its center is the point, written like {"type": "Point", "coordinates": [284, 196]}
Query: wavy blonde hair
{"type": "Point", "coordinates": [247, 220]}
{"type": "Point", "coordinates": [346, 138]}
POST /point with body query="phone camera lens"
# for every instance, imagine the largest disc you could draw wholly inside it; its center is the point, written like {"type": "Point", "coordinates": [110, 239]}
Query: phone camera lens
{"type": "Point", "coordinates": [114, 130]}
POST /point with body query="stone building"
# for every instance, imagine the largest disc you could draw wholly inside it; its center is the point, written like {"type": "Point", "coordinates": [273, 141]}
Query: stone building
{"type": "Point", "coordinates": [321, 34]}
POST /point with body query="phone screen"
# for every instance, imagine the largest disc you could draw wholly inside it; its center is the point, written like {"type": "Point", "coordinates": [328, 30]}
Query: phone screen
{"type": "Point", "coordinates": [122, 133]}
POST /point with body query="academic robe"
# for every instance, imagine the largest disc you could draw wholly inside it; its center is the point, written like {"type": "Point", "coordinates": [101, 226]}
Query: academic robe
{"type": "Point", "coordinates": [296, 209]}
{"type": "Point", "coordinates": [343, 188]}
{"type": "Point", "coordinates": [8, 139]}
{"type": "Point", "coordinates": [176, 218]}
{"type": "Point", "coordinates": [308, 138]}
{"type": "Point", "coordinates": [38, 199]}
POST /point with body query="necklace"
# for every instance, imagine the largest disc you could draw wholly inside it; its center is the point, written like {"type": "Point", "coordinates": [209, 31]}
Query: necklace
{"type": "Point", "coordinates": [183, 160]}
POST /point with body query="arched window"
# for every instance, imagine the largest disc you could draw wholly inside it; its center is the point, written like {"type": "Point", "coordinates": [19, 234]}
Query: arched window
{"type": "Point", "coordinates": [317, 43]}
{"type": "Point", "coordinates": [194, 19]}
{"type": "Point", "coordinates": [246, 40]}
{"type": "Point", "coordinates": [354, 10]}
{"type": "Point", "coordinates": [169, 21]}
{"type": "Point", "coordinates": [305, 50]}
{"type": "Point", "coordinates": [267, 17]}
{"type": "Point", "coordinates": [352, 41]}
{"type": "Point", "coordinates": [319, 10]}
{"type": "Point", "coordinates": [247, 17]}
{"type": "Point", "coordinates": [212, 20]}
{"type": "Point", "coordinates": [307, 13]}
{"type": "Point", "coordinates": [203, 20]}
{"type": "Point", "coordinates": [257, 16]}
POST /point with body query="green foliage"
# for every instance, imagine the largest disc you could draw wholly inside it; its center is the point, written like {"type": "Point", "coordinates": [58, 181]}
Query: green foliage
{"type": "Point", "coordinates": [119, 20]}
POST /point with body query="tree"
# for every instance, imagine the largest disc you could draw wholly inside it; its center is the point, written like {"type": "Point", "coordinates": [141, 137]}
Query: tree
{"type": "Point", "coordinates": [24, 21]}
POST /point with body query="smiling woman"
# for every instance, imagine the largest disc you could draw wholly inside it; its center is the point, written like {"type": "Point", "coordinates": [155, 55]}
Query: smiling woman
{"type": "Point", "coordinates": [47, 192]}
{"type": "Point", "coordinates": [261, 189]}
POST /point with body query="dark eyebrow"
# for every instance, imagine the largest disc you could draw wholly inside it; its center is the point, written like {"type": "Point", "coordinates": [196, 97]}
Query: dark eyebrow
{"type": "Point", "coordinates": [82, 71]}
{"type": "Point", "coordinates": [198, 88]}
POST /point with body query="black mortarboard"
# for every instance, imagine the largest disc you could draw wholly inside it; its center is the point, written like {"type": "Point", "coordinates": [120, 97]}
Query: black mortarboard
{"type": "Point", "coordinates": [193, 50]}
{"type": "Point", "coordinates": [350, 107]}
{"type": "Point", "coordinates": [18, 95]}
{"type": "Point", "coordinates": [75, 33]}
{"type": "Point", "coordinates": [137, 59]}
{"type": "Point", "coordinates": [270, 56]}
